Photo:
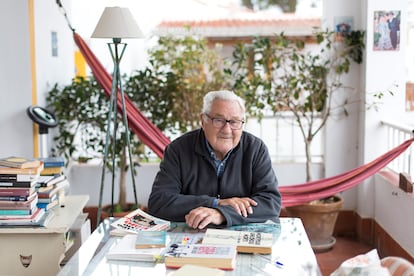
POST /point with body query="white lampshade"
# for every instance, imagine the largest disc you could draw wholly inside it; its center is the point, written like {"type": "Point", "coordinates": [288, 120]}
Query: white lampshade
{"type": "Point", "coordinates": [117, 22]}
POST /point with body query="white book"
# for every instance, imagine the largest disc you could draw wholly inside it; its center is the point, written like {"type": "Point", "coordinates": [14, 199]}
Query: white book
{"type": "Point", "coordinates": [125, 250]}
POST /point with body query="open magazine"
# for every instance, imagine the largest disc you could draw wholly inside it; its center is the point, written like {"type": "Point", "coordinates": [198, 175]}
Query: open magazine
{"type": "Point", "coordinates": [139, 220]}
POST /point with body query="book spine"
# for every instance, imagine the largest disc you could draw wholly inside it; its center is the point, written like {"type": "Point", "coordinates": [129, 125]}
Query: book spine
{"type": "Point", "coordinates": [31, 171]}
{"type": "Point", "coordinates": [18, 177]}
{"type": "Point", "coordinates": [13, 198]}
{"type": "Point", "coordinates": [51, 171]}
{"type": "Point", "coordinates": [21, 184]}
{"type": "Point", "coordinates": [14, 212]}
{"type": "Point", "coordinates": [17, 184]}
{"type": "Point", "coordinates": [16, 192]}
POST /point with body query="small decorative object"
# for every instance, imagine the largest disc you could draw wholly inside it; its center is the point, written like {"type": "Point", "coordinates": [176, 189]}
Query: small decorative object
{"type": "Point", "coordinates": [26, 260]}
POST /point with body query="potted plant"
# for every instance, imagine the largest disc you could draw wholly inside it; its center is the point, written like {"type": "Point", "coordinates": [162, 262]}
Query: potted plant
{"type": "Point", "coordinates": [82, 108]}
{"type": "Point", "coordinates": [279, 75]}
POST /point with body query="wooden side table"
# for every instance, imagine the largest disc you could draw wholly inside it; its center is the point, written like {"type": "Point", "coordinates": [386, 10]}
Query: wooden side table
{"type": "Point", "coordinates": [39, 250]}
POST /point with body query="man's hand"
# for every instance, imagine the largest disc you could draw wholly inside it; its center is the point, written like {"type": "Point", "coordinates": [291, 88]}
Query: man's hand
{"type": "Point", "coordinates": [202, 216]}
{"type": "Point", "coordinates": [242, 205]}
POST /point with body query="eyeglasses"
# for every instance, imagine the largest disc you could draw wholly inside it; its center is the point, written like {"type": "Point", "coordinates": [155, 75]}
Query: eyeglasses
{"type": "Point", "coordinates": [219, 122]}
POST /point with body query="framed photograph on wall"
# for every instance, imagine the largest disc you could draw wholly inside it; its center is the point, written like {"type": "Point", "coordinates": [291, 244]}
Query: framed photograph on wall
{"type": "Point", "coordinates": [387, 30]}
{"type": "Point", "coordinates": [343, 25]}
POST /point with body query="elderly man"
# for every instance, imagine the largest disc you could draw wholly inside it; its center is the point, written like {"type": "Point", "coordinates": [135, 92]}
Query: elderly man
{"type": "Point", "coordinates": [218, 174]}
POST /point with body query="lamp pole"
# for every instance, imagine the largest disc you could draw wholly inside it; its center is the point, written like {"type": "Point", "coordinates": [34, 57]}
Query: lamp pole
{"type": "Point", "coordinates": [116, 23]}
{"type": "Point", "coordinates": [117, 50]}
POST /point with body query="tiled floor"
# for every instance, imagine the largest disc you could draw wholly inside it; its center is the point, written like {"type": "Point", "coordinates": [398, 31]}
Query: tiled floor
{"type": "Point", "coordinates": [344, 249]}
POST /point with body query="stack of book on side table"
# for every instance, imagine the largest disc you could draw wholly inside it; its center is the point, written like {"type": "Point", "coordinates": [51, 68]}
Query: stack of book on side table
{"type": "Point", "coordinates": [53, 165]}
{"type": "Point", "coordinates": [18, 196]}
{"type": "Point", "coordinates": [51, 185]}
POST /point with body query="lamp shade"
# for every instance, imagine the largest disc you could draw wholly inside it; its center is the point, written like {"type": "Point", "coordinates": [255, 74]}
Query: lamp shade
{"type": "Point", "coordinates": [117, 22]}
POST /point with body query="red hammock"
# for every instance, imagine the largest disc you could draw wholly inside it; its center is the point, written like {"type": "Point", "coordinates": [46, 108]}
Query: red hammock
{"type": "Point", "coordinates": [303, 193]}
{"type": "Point", "coordinates": [147, 132]}
{"type": "Point", "coordinates": [151, 136]}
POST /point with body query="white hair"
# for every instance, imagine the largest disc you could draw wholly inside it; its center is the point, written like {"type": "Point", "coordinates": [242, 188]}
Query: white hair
{"type": "Point", "coordinates": [222, 95]}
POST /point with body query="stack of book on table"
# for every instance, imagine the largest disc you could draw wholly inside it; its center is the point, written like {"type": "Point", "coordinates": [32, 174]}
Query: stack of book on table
{"type": "Point", "coordinates": [51, 185]}
{"type": "Point", "coordinates": [52, 165]}
{"type": "Point", "coordinates": [144, 239]}
{"type": "Point", "coordinates": [18, 196]}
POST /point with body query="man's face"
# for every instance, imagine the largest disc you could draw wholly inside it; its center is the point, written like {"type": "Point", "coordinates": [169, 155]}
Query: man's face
{"type": "Point", "coordinates": [223, 139]}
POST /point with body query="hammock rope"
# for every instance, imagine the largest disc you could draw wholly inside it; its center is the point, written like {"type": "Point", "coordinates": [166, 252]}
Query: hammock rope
{"type": "Point", "coordinates": [294, 194]}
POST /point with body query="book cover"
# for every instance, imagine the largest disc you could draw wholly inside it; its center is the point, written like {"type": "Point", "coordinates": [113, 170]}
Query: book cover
{"type": "Point", "coordinates": [53, 161]}
{"type": "Point", "coordinates": [17, 171]}
{"type": "Point", "coordinates": [139, 220]}
{"type": "Point", "coordinates": [125, 250]}
{"type": "Point", "coordinates": [150, 239]}
{"type": "Point", "coordinates": [209, 255]}
{"type": "Point", "coordinates": [19, 162]}
{"type": "Point", "coordinates": [246, 242]}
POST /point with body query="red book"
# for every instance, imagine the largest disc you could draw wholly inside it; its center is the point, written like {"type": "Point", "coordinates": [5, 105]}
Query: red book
{"type": "Point", "coordinates": [17, 192]}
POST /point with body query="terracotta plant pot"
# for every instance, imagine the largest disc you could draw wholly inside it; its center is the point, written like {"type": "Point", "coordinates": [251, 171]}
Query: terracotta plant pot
{"type": "Point", "coordinates": [319, 218]}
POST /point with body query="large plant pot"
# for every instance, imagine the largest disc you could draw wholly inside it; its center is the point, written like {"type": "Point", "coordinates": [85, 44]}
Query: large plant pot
{"type": "Point", "coordinates": [319, 218]}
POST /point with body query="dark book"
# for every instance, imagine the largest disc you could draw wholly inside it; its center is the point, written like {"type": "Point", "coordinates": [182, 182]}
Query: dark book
{"type": "Point", "coordinates": [150, 239]}
{"type": "Point", "coordinates": [29, 204]}
{"type": "Point", "coordinates": [18, 184]}
{"type": "Point", "coordinates": [19, 162]}
{"type": "Point", "coordinates": [13, 198]}
{"type": "Point", "coordinates": [55, 161]}
{"type": "Point", "coordinates": [214, 256]}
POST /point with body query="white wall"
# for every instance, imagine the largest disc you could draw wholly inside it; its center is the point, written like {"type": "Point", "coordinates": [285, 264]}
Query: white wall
{"type": "Point", "coordinates": [393, 212]}
{"type": "Point", "coordinates": [384, 70]}
{"type": "Point", "coordinates": [341, 133]}
{"type": "Point", "coordinates": [15, 79]}
{"type": "Point", "coordinates": [16, 73]}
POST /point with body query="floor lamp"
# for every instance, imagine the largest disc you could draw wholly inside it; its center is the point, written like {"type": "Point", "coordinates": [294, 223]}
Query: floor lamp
{"type": "Point", "coordinates": [116, 23]}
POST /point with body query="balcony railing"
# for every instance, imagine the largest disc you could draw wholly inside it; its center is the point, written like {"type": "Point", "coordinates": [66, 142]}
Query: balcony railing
{"type": "Point", "coordinates": [282, 136]}
{"type": "Point", "coordinates": [397, 133]}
